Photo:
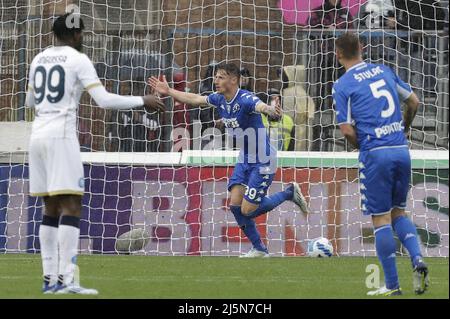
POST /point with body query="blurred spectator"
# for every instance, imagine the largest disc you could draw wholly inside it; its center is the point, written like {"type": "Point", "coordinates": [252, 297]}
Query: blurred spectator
{"type": "Point", "coordinates": [420, 15]}
{"type": "Point", "coordinates": [84, 136]}
{"type": "Point", "coordinates": [298, 104]}
{"type": "Point", "coordinates": [331, 14]}
{"type": "Point", "coordinates": [125, 130]}
{"type": "Point", "coordinates": [281, 131]}
{"type": "Point", "coordinates": [208, 116]}
{"type": "Point", "coordinates": [246, 81]}
{"type": "Point", "coordinates": [377, 14]}
{"type": "Point", "coordinates": [138, 130]}
{"type": "Point", "coordinates": [207, 84]}
{"type": "Point", "coordinates": [181, 116]}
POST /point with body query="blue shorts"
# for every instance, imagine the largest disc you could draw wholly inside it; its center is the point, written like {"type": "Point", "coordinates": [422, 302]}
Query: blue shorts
{"type": "Point", "coordinates": [255, 177]}
{"type": "Point", "coordinates": [384, 176]}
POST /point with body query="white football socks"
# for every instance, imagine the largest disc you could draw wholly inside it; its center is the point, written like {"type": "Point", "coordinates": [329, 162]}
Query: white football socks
{"type": "Point", "coordinates": [48, 238]}
{"type": "Point", "coordinates": [68, 238]}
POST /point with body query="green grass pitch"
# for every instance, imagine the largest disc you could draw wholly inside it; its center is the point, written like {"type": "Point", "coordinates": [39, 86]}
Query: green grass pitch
{"type": "Point", "coordinates": [216, 277]}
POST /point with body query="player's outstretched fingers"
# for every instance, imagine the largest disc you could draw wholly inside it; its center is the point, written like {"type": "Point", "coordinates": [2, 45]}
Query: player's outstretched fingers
{"type": "Point", "coordinates": [152, 81]}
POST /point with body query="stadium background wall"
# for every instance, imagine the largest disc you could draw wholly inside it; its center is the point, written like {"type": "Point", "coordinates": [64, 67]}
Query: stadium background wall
{"type": "Point", "coordinates": [184, 211]}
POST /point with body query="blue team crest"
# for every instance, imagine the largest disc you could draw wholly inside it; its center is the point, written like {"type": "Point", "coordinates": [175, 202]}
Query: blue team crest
{"type": "Point", "coordinates": [236, 108]}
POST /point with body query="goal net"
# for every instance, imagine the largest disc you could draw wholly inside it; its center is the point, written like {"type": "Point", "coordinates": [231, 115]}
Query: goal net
{"type": "Point", "coordinates": [168, 173]}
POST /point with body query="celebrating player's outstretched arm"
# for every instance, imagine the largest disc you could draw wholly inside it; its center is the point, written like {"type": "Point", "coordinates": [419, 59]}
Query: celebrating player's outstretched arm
{"type": "Point", "coordinates": [163, 88]}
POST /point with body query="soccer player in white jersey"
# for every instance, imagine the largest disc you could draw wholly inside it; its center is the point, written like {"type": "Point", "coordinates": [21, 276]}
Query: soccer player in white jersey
{"type": "Point", "coordinates": [58, 76]}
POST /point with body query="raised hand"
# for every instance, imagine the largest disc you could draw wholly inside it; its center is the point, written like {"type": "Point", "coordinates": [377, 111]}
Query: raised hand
{"type": "Point", "coordinates": [274, 110]}
{"type": "Point", "coordinates": [161, 87]}
{"type": "Point", "coordinates": [153, 103]}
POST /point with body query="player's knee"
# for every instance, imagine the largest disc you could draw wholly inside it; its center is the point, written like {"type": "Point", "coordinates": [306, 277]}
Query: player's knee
{"type": "Point", "coordinates": [71, 205]}
{"type": "Point", "coordinates": [381, 220]}
{"type": "Point", "coordinates": [51, 206]}
{"type": "Point", "coordinates": [235, 201]}
{"type": "Point", "coordinates": [397, 212]}
{"type": "Point", "coordinates": [247, 209]}
{"type": "Point", "coordinates": [237, 194]}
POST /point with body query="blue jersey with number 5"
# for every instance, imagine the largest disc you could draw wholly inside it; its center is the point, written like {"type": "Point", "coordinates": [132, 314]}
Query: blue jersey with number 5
{"type": "Point", "coordinates": [369, 96]}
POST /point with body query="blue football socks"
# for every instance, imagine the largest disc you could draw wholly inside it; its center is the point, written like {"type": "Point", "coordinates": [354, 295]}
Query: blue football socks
{"type": "Point", "coordinates": [385, 246]}
{"type": "Point", "coordinates": [407, 234]}
{"type": "Point", "coordinates": [248, 226]}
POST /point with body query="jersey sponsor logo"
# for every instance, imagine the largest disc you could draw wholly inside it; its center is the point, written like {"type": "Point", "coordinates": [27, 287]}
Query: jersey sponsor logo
{"type": "Point", "coordinates": [367, 74]}
{"type": "Point", "coordinates": [230, 123]}
{"type": "Point", "coordinates": [389, 129]}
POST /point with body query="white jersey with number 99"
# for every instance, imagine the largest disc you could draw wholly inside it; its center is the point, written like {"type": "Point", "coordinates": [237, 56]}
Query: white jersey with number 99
{"type": "Point", "coordinates": [58, 76]}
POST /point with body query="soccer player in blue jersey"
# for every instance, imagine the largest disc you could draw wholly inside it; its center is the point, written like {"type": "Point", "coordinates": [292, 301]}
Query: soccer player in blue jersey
{"type": "Point", "coordinates": [367, 99]}
{"type": "Point", "coordinates": [240, 111]}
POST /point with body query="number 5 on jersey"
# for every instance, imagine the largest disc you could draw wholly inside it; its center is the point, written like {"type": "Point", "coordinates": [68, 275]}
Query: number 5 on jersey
{"type": "Point", "coordinates": [377, 92]}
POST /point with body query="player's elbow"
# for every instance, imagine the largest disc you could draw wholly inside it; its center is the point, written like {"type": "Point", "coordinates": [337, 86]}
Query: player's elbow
{"type": "Point", "coordinates": [413, 102]}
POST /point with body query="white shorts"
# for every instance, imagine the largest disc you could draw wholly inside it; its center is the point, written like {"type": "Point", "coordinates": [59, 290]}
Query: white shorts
{"type": "Point", "coordinates": [55, 167]}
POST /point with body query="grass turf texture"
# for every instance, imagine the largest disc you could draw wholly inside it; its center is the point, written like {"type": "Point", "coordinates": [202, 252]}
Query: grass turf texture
{"type": "Point", "coordinates": [216, 277]}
